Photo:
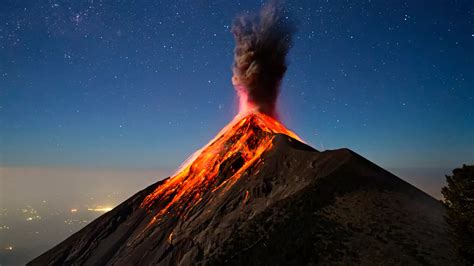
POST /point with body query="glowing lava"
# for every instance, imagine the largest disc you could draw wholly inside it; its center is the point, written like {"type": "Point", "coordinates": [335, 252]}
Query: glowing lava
{"type": "Point", "coordinates": [219, 164]}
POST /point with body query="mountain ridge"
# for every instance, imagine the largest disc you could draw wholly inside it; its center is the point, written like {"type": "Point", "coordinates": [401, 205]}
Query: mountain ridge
{"type": "Point", "coordinates": [294, 205]}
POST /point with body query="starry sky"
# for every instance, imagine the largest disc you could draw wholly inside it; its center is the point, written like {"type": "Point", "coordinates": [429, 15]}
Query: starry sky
{"type": "Point", "coordinates": [143, 84]}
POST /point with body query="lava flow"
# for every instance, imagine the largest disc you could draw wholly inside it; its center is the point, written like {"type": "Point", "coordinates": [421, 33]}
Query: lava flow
{"type": "Point", "coordinates": [238, 146]}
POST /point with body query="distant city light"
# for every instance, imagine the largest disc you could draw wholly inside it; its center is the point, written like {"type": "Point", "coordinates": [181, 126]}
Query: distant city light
{"type": "Point", "coordinates": [74, 210]}
{"type": "Point", "coordinates": [31, 218]}
{"type": "Point", "coordinates": [9, 248]}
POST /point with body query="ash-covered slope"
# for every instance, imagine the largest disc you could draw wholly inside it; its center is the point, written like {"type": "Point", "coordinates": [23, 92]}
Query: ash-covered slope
{"type": "Point", "coordinates": [294, 205]}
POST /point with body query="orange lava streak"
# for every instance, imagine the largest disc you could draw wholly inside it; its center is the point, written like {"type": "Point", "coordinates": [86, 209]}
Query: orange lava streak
{"type": "Point", "coordinates": [243, 140]}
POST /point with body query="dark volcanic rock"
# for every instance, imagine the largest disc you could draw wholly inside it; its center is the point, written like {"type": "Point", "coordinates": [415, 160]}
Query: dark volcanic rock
{"type": "Point", "coordinates": [296, 206]}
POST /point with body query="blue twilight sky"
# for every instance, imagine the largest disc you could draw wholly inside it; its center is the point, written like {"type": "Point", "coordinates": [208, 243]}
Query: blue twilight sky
{"type": "Point", "coordinates": [143, 84]}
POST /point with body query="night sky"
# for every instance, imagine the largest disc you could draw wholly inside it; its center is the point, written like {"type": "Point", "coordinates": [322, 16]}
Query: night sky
{"type": "Point", "coordinates": [143, 84]}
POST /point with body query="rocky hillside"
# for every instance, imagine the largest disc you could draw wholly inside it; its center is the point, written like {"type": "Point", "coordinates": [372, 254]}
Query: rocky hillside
{"type": "Point", "coordinates": [295, 206]}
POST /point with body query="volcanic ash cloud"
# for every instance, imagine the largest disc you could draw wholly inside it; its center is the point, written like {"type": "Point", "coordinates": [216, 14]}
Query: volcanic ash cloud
{"type": "Point", "coordinates": [262, 43]}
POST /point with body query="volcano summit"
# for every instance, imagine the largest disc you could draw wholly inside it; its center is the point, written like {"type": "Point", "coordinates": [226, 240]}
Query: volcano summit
{"type": "Point", "coordinates": [257, 195]}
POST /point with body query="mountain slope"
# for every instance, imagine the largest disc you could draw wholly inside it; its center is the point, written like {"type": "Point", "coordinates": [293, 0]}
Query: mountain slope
{"type": "Point", "coordinates": [291, 205]}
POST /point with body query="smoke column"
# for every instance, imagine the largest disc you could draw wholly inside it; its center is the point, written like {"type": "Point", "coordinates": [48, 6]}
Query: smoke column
{"type": "Point", "coordinates": [262, 43]}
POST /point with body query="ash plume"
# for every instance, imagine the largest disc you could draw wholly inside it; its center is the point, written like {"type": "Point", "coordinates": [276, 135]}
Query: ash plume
{"type": "Point", "coordinates": [262, 43]}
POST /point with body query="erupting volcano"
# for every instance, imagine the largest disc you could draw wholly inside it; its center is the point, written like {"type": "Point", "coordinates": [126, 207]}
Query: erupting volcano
{"type": "Point", "coordinates": [262, 43]}
{"type": "Point", "coordinates": [256, 194]}
{"type": "Point", "coordinates": [243, 142]}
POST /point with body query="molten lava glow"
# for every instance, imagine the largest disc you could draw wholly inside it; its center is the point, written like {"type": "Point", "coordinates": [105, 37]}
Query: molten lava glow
{"type": "Point", "coordinates": [238, 146]}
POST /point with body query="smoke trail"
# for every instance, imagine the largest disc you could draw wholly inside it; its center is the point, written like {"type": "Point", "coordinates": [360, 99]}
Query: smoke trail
{"type": "Point", "coordinates": [262, 42]}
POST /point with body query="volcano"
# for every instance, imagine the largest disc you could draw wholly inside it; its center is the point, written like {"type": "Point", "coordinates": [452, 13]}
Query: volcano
{"type": "Point", "coordinates": [258, 195]}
